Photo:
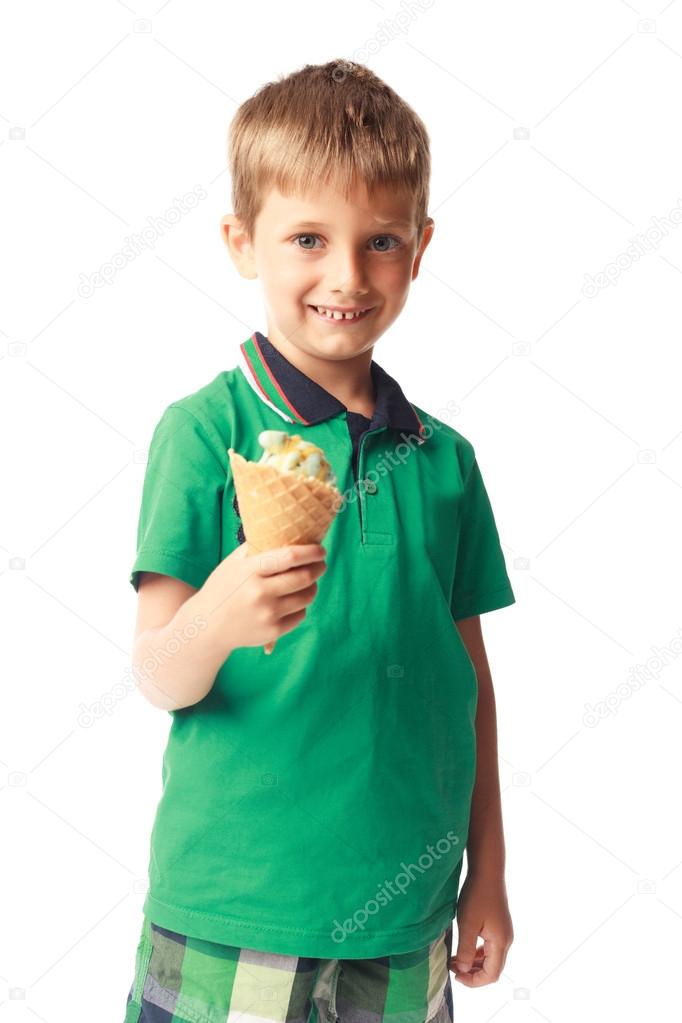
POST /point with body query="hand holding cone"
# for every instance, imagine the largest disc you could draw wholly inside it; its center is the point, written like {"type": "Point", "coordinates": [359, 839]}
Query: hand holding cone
{"type": "Point", "coordinates": [292, 505]}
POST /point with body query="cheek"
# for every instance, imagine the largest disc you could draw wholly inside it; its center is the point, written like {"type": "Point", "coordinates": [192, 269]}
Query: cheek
{"type": "Point", "coordinates": [288, 277]}
{"type": "Point", "coordinates": [395, 277]}
{"type": "Point", "coordinates": [276, 277]}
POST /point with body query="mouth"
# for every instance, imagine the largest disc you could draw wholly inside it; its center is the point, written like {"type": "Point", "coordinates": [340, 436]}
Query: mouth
{"type": "Point", "coordinates": [338, 317]}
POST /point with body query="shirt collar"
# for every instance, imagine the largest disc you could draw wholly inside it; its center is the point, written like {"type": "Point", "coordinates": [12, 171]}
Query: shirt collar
{"type": "Point", "coordinates": [298, 399]}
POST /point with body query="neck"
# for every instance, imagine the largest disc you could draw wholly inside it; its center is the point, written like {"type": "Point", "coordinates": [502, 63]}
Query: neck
{"type": "Point", "coordinates": [349, 380]}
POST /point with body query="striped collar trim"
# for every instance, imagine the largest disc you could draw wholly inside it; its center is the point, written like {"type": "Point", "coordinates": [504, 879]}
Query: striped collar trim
{"type": "Point", "coordinates": [298, 399]}
{"type": "Point", "coordinates": [261, 380]}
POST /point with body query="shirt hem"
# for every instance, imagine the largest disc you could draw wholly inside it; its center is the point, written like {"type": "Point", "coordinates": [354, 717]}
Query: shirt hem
{"type": "Point", "coordinates": [266, 937]}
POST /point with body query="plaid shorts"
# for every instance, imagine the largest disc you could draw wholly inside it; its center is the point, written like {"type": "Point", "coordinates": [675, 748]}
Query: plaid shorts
{"type": "Point", "coordinates": [178, 978]}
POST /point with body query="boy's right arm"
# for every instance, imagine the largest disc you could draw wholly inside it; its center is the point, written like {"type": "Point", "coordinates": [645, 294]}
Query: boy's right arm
{"type": "Point", "coordinates": [184, 635]}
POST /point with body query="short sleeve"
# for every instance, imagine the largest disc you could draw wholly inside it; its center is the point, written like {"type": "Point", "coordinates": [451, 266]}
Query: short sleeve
{"type": "Point", "coordinates": [481, 582]}
{"type": "Point", "coordinates": [179, 528]}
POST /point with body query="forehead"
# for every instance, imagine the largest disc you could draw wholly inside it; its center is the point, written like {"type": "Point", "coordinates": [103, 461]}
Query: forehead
{"type": "Point", "coordinates": [327, 204]}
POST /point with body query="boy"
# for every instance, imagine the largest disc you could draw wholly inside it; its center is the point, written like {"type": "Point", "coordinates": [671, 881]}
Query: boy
{"type": "Point", "coordinates": [316, 804]}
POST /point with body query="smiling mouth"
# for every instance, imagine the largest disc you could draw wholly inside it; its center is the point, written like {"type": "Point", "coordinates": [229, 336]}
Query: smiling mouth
{"type": "Point", "coordinates": [339, 317]}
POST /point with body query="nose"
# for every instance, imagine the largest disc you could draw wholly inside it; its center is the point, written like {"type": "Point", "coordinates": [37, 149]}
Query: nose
{"type": "Point", "coordinates": [349, 272]}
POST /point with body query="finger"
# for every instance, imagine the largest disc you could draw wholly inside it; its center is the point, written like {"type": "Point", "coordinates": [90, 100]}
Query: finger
{"type": "Point", "coordinates": [281, 559]}
{"type": "Point", "coordinates": [491, 966]}
{"type": "Point", "coordinates": [295, 583]}
{"type": "Point", "coordinates": [289, 622]}
{"type": "Point", "coordinates": [300, 596]}
{"type": "Point", "coordinates": [466, 951]}
{"type": "Point", "coordinates": [479, 955]}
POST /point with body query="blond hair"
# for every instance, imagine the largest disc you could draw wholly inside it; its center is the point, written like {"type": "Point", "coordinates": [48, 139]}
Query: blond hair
{"type": "Point", "coordinates": [333, 123]}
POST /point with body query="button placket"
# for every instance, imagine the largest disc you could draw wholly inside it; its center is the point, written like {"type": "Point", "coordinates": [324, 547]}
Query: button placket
{"type": "Point", "coordinates": [367, 491]}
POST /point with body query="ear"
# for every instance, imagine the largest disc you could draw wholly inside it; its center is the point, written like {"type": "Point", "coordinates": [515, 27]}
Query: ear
{"type": "Point", "coordinates": [239, 245]}
{"type": "Point", "coordinates": [425, 239]}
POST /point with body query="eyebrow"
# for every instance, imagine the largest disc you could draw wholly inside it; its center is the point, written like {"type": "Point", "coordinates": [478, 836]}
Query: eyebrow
{"type": "Point", "coordinates": [389, 224]}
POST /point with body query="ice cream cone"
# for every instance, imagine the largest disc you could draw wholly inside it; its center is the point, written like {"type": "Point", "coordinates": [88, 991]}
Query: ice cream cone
{"type": "Point", "coordinates": [281, 507]}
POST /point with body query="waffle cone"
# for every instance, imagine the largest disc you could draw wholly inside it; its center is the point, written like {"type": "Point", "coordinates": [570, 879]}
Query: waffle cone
{"type": "Point", "coordinates": [278, 508]}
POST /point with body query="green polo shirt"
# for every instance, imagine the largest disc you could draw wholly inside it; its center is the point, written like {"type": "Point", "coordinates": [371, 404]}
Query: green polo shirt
{"type": "Point", "coordinates": [316, 802]}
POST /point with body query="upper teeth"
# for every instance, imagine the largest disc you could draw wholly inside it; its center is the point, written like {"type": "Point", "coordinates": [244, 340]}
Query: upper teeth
{"type": "Point", "coordinates": [338, 315]}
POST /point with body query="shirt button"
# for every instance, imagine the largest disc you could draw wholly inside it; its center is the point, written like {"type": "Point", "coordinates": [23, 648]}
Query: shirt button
{"type": "Point", "coordinates": [370, 486]}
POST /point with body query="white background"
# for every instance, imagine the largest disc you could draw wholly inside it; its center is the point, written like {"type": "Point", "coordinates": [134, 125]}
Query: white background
{"type": "Point", "coordinates": [555, 142]}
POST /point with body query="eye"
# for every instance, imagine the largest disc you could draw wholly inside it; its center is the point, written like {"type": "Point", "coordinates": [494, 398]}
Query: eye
{"type": "Point", "coordinates": [389, 237]}
{"type": "Point", "coordinates": [380, 238]}
{"type": "Point", "coordinates": [308, 247]}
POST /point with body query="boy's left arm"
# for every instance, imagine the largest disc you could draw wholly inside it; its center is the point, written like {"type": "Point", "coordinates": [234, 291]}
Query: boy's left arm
{"type": "Point", "coordinates": [482, 908]}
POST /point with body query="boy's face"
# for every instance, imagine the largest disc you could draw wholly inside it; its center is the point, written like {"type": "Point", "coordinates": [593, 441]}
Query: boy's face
{"type": "Point", "coordinates": [321, 251]}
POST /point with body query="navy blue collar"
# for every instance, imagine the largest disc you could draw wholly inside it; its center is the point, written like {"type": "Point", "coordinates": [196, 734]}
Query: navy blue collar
{"type": "Point", "coordinates": [308, 402]}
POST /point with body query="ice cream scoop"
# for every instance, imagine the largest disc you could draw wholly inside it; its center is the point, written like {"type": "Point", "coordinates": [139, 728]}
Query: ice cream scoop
{"type": "Point", "coordinates": [290, 453]}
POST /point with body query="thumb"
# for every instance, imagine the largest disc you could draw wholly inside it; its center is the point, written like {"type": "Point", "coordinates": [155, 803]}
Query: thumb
{"type": "Point", "coordinates": [466, 951]}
